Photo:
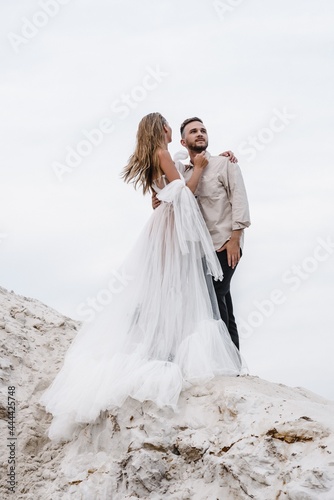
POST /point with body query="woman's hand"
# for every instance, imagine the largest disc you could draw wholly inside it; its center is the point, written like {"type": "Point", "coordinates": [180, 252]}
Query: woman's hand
{"type": "Point", "coordinates": [155, 200]}
{"type": "Point", "coordinates": [230, 156]}
{"type": "Point", "coordinates": [200, 161]}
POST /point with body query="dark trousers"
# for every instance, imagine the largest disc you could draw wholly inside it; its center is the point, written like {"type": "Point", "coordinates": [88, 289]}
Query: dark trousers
{"type": "Point", "coordinates": [222, 289]}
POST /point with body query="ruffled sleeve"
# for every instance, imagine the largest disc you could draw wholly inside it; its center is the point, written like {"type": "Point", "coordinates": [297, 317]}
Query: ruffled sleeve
{"type": "Point", "coordinates": [189, 223]}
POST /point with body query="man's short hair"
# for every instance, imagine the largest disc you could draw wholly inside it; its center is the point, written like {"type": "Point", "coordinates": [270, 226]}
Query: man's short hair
{"type": "Point", "coordinates": [189, 120]}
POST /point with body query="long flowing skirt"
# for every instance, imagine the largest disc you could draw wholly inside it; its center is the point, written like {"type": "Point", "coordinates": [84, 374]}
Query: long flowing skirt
{"type": "Point", "coordinates": [162, 330]}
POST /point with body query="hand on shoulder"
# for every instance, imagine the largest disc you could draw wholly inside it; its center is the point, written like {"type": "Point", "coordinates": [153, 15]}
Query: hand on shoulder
{"type": "Point", "coordinates": [230, 156]}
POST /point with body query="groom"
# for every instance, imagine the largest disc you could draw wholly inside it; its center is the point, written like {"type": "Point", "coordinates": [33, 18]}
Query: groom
{"type": "Point", "coordinates": [222, 198]}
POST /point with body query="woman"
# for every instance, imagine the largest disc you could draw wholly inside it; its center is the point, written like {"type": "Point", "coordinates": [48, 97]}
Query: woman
{"type": "Point", "coordinates": [162, 331]}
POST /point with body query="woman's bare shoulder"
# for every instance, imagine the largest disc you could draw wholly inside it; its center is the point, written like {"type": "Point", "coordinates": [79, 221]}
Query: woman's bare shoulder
{"type": "Point", "coordinates": [163, 154]}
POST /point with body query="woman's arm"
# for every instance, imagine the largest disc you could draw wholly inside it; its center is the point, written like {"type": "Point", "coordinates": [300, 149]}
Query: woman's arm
{"type": "Point", "coordinates": [168, 167]}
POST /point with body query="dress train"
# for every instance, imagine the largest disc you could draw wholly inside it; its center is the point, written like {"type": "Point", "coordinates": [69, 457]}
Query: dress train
{"type": "Point", "coordinates": [160, 333]}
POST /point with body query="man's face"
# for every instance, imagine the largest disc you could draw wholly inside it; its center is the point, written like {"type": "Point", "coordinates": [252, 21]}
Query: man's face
{"type": "Point", "coordinates": [195, 137]}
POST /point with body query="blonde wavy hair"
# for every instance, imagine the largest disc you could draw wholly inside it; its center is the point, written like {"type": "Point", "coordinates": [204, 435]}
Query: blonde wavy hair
{"type": "Point", "coordinates": [143, 165]}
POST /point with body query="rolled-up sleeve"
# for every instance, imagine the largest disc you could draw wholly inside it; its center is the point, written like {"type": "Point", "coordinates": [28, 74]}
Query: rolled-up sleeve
{"type": "Point", "coordinates": [237, 196]}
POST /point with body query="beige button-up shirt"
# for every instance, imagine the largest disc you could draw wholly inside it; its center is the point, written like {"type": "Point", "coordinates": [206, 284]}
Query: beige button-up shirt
{"type": "Point", "coordinates": [222, 198]}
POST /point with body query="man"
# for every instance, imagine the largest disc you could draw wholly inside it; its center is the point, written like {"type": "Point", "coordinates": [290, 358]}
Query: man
{"type": "Point", "coordinates": [222, 198]}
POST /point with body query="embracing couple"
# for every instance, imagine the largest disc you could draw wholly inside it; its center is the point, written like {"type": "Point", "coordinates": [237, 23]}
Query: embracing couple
{"type": "Point", "coordinates": [173, 325]}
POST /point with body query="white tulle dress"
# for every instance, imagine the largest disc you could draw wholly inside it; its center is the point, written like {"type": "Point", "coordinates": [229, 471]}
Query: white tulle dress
{"type": "Point", "coordinates": [160, 333]}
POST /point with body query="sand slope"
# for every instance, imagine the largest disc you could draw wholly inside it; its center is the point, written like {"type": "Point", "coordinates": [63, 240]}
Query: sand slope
{"type": "Point", "coordinates": [233, 438]}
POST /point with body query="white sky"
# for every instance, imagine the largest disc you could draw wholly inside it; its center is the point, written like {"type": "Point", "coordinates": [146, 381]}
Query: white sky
{"type": "Point", "coordinates": [237, 65]}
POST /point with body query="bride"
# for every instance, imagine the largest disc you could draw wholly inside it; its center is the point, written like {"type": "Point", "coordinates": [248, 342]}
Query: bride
{"type": "Point", "coordinates": [163, 331]}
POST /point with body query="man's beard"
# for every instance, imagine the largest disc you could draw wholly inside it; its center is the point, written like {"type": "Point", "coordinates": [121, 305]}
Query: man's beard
{"type": "Point", "coordinates": [198, 148]}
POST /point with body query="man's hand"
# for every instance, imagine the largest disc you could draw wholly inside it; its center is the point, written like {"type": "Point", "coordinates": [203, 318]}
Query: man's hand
{"type": "Point", "coordinates": [200, 161]}
{"type": "Point", "coordinates": [155, 201]}
{"type": "Point", "coordinates": [230, 156]}
{"type": "Point", "coordinates": [232, 247]}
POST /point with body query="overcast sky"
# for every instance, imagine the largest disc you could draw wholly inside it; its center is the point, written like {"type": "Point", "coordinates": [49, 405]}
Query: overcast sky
{"type": "Point", "coordinates": [76, 78]}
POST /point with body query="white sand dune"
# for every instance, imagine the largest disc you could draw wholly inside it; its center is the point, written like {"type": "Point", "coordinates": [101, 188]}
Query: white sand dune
{"type": "Point", "coordinates": [233, 438]}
